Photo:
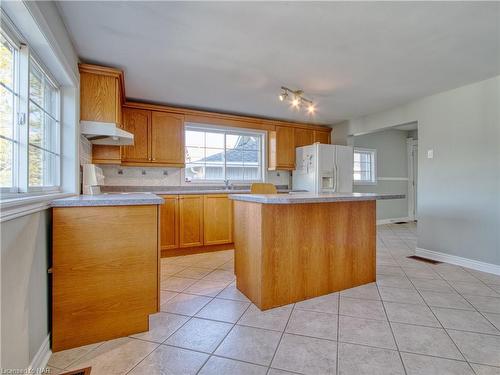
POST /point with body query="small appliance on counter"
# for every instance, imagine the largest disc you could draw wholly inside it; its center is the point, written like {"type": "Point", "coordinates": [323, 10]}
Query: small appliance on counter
{"type": "Point", "coordinates": [93, 177]}
{"type": "Point", "coordinates": [323, 168]}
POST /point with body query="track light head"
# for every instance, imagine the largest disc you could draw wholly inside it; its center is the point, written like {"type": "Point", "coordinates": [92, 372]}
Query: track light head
{"type": "Point", "coordinates": [297, 99]}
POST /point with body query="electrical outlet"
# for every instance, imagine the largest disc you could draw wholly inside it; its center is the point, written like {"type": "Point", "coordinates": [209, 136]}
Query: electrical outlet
{"type": "Point", "coordinates": [430, 154]}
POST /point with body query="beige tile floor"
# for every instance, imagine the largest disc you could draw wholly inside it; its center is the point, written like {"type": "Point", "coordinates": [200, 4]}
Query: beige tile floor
{"type": "Point", "coordinates": [417, 319]}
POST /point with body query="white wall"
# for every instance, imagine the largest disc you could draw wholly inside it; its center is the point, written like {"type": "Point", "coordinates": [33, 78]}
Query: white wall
{"type": "Point", "coordinates": [459, 189]}
{"type": "Point", "coordinates": [392, 164]}
{"type": "Point", "coordinates": [24, 288]}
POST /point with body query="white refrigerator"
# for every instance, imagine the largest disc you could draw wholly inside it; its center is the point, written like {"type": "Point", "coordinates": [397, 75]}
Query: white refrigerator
{"type": "Point", "coordinates": [322, 168]}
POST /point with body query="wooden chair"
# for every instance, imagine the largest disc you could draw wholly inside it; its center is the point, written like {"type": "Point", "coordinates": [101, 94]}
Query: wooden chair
{"type": "Point", "coordinates": [261, 188]}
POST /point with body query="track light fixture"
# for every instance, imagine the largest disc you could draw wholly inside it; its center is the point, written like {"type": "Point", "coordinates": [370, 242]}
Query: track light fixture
{"type": "Point", "coordinates": [296, 99]}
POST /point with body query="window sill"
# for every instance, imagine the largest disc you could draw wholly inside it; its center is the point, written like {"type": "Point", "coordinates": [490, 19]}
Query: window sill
{"type": "Point", "coordinates": [14, 207]}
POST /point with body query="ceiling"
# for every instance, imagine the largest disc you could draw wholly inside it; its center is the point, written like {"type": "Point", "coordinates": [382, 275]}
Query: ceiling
{"type": "Point", "coordinates": [352, 58]}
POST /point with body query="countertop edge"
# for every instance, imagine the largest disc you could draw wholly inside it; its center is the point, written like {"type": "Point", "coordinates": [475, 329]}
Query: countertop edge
{"type": "Point", "coordinates": [143, 199]}
{"type": "Point", "coordinates": [296, 199]}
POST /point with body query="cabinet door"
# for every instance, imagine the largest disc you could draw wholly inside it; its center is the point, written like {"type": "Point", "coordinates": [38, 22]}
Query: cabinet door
{"type": "Point", "coordinates": [167, 138]}
{"type": "Point", "coordinates": [137, 122]}
{"type": "Point", "coordinates": [98, 98]}
{"type": "Point", "coordinates": [190, 220]}
{"type": "Point", "coordinates": [282, 148]}
{"type": "Point", "coordinates": [218, 219]}
{"type": "Point", "coordinates": [169, 222]}
{"type": "Point", "coordinates": [100, 101]}
{"type": "Point", "coordinates": [303, 137]}
{"type": "Point", "coordinates": [321, 137]}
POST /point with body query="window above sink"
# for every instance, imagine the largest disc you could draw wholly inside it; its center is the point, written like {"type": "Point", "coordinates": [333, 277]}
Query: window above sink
{"type": "Point", "coordinates": [223, 154]}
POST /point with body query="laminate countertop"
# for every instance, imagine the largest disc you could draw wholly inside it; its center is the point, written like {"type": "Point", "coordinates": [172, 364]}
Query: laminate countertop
{"type": "Point", "coordinates": [109, 199]}
{"type": "Point", "coordinates": [301, 198]}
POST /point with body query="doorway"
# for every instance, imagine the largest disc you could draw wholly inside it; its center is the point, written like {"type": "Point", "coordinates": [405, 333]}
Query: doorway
{"type": "Point", "coordinates": [412, 149]}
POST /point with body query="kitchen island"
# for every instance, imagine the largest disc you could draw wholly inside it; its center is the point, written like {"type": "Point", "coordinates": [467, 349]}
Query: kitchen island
{"type": "Point", "coordinates": [105, 267]}
{"type": "Point", "coordinates": [291, 247]}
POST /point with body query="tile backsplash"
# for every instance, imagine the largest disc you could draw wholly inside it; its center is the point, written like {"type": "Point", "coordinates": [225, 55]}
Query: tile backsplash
{"type": "Point", "coordinates": [85, 149]}
{"type": "Point", "coordinates": [116, 175]}
{"type": "Point", "coordinates": [160, 176]}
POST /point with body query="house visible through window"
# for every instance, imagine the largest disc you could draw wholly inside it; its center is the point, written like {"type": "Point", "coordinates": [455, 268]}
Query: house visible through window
{"type": "Point", "coordinates": [365, 161]}
{"type": "Point", "coordinates": [218, 155]}
{"type": "Point", "coordinates": [29, 123]}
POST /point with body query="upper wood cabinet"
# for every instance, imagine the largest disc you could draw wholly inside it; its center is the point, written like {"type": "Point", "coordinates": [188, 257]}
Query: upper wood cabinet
{"type": "Point", "coordinates": [101, 94]}
{"type": "Point", "coordinates": [281, 148]}
{"type": "Point", "coordinates": [169, 222]}
{"type": "Point", "coordinates": [303, 137]}
{"type": "Point", "coordinates": [322, 136]}
{"type": "Point", "coordinates": [167, 138]}
{"type": "Point", "coordinates": [218, 219]}
{"type": "Point", "coordinates": [190, 220]}
{"type": "Point", "coordinates": [137, 122]}
{"type": "Point", "coordinates": [158, 138]}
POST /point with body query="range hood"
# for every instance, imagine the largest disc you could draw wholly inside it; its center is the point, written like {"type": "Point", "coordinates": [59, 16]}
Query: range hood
{"type": "Point", "coordinates": [105, 133]}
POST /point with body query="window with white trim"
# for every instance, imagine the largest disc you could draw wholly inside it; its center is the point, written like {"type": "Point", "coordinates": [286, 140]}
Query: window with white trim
{"type": "Point", "coordinates": [365, 165]}
{"type": "Point", "coordinates": [30, 121]}
{"type": "Point", "coordinates": [223, 154]}
{"type": "Point", "coordinates": [9, 92]}
{"type": "Point", "coordinates": [43, 124]}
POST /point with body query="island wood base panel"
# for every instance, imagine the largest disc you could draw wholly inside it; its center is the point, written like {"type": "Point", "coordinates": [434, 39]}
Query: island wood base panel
{"type": "Point", "coordinates": [105, 273]}
{"type": "Point", "coordinates": [286, 253]}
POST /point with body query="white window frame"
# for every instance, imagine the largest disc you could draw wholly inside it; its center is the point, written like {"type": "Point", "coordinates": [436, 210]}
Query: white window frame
{"type": "Point", "coordinates": [20, 162]}
{"type": "Point", "coordinates": [230, 130]}
{"type": "Point", "coordinates": [373, 181]}
{"type": "Point", "coordinates": [57, 171]}
{"type": "Point", "coordinates": [11, 38]}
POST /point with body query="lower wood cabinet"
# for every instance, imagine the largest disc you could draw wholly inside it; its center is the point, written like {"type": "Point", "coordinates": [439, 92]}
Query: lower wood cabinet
{"type": "Point", "coordinates": [169, 219]}
{"type": "Point", "coordinates": [218, 219]}
{"type": "Point", "coordinates": [104, 273]}
{"type": "Point", "coordinates": [196, 220]}
{"type": "Point", "coordinates": [190, 220]}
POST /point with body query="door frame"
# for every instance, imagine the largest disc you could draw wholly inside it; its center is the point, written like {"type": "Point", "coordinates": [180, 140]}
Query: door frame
{"type": "Point", "coordinates": [411, 147]}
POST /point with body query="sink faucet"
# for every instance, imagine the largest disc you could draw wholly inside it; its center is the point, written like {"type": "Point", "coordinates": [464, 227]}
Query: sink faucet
{"type": "Point", "coordinates": [229, 186]}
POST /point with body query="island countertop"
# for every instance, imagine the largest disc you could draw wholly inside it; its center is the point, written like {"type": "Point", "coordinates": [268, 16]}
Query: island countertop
{"type": "Point", "coordinates": [108, 199]}
{"type": "Point", "coordinates": [301, 198]}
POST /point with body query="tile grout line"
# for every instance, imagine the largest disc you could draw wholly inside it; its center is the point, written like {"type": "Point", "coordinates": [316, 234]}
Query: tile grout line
{"type": "Point", "coordinates": [337, 364]}
{"type": "Point", "coordinates": [224, 338]}
{"type": "Point", "coordinates": [444, 329]}
{"type": "Point", "coordinates": [163, 342]}
{"type": "Point", "coordinates": [281, 338]}
{"type": "Point", "coordinates": [175, 331]}
{"type": "Point", "coordinates": [392, 331]}
{"type": "Point", "coordinates": [476, 310]}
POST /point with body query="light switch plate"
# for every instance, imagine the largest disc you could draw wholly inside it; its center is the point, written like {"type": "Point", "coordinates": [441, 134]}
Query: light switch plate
{"type": "Point", "coordinates": [430, 154]}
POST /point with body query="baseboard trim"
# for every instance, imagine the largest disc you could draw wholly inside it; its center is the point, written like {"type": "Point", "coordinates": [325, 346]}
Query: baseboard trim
{"type": "Point", "coordinates": [458, 261]}
{"type": "Point", "coordinates": [395, 220]}
{"type": "Point", "coordinates": [41, 357]}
